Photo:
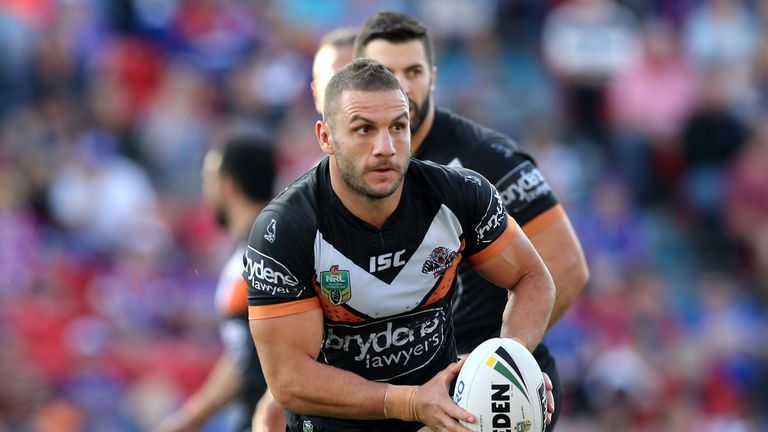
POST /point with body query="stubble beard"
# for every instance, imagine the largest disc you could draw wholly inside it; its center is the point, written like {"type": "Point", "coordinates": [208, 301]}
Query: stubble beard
{"type": "Point", "coordinates": [354, 181]}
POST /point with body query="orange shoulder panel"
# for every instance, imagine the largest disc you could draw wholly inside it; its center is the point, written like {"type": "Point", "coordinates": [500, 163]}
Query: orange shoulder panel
{"type": "Point", "coordinates": [282, 309]}
{"type": "Point", "coordinates": [237, 303]}
{"type": "Point", "coordinates": [496, 247]}
{"type": "Point", "coordinates": [544, 220]}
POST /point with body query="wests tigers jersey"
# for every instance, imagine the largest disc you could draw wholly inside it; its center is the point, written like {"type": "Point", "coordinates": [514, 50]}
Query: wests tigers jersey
{"type": "Point", "coordinates": [456, 141]}
{"type": "Point", "coordinates": [385, 292]}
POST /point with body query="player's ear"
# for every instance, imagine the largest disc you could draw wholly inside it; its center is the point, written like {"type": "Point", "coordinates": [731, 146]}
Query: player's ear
{"type": "Point", "coordinates": [323, 134]}
{"type": "Point", "coordinates": [434, 79]}
{"type": "Point", "coordinates": [313, 87]}
{"type": "Point", "coordinates": [227, 186]}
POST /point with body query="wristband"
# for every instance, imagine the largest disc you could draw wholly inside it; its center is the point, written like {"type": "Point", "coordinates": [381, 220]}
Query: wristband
{"type": "Point", "coordinates": [400, 402]}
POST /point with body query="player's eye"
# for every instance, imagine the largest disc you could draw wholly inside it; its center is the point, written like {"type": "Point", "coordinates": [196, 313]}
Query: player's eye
{"type": "Point", "coordinates": [414, 72]}
{"type": "Point", "coordinates": [398, 127]}
{"type": "Point", "coordinates": [363, 129]}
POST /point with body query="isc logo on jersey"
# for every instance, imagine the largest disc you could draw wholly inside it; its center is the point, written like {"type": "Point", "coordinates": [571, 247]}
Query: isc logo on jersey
{"type": "Point", "coordinates": [266, 274]}
{"type": "Point", "coordinates": [502, 385]}
{"type": "Point", "coordinates": [522, 186]}
{"type": "Point", "coordinates": [387, 260]}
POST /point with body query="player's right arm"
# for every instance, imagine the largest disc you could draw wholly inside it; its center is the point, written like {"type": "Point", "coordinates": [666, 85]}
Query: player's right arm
{"type": "Point", "coordinates": [561, 251]}
{"type": "Point", "coordinates": [529, 199]}
{"type": "Point", "coordinates": [286, 322]}
{"type": "Point", "coordinates": [288, 347]}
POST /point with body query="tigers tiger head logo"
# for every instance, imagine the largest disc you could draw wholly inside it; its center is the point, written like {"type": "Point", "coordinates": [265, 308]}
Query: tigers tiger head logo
{"type": "Point", "coordinates": [439, 261]}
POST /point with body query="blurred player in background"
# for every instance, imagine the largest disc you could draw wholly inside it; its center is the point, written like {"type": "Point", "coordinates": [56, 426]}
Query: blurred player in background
{"type": "Point", "coordinates": [333, 53]}
{"type": "Point", "coordinates": [238, 179]}
{"type": "Point", "coordinates": [404, 46]}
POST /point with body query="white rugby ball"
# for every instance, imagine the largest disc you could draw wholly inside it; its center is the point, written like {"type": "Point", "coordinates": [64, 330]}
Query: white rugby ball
{"type": "Point", "coordinates": [501, 384]}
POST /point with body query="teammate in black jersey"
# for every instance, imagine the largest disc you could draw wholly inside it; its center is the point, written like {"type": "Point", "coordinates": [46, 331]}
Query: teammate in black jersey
{"type": "Point", "coordinates": [238, 178]}
{"type": "Point", "coordinates": [404, 46]}
{"type": "Point", "coordinates": [351, 271]}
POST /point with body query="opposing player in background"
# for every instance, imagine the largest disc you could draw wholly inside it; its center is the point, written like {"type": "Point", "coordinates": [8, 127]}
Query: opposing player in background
{"type": "Point", "coordinates": [352, 271]}
{"type": "Point", "coordinates": [238, 179]}
{"type": "Point", "coordinates": [404, 46]}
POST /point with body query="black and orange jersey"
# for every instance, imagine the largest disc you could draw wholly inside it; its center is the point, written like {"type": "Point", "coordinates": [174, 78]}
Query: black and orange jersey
{"type": "Point", "coordinates": [232, 303]}
{"type": "Point", "coordinates": [232, 289]}
{"type": "Point", "coordinates": [456, 141]}
{"type": "Point", "coordinates": [385, 292]}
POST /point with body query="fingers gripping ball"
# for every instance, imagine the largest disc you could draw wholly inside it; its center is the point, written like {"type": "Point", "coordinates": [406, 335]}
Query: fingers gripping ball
{"type": "Point", "coordinates": [502, 385]}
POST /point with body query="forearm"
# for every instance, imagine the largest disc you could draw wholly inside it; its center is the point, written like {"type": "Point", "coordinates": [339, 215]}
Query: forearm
{"type": "Point", "coordinates": [520, 268]}
{"type": "Point", "coordinates": [569, 280]}
{"type": "Point", "coordinates": [221, 387]}
{"type": "Point", "coordinates": [528, 309]}
{"type": "Point", "coordinates": [334, 392]}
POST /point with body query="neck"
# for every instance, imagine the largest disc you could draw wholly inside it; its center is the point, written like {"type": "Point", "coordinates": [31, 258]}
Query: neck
{"type": "Point", "coordinates": [418, 138]}
{"type": "Point", "coordinates": [241, 216]}
{"type": "Point", "coordinates": [374, 211]}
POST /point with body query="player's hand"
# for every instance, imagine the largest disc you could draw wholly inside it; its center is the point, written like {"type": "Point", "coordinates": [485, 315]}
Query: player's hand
{"type": "Point", "coordinates": [550, 397]}
{"type": "Point", "coordinates": [434, 406]}
{"type": "Point", "coordinates": [269, 416]}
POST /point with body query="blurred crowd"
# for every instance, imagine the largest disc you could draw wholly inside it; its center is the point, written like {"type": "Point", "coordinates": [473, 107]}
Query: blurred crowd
{"type": "Point", "coordinates": [648, 117]}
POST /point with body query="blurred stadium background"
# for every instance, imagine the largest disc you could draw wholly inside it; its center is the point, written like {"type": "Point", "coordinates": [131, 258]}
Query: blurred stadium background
{"type": "Point", "coordinates": [647, 116]}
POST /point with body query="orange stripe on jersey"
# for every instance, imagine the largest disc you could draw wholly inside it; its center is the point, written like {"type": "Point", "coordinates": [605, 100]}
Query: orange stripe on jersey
{"type": "Point", "coordinates": [496, 247]}
{"type": "Point", "coordinates": [544, 220]}
{"type": "Point", "coordinates": [337, 313]}
{"type": "Point", "coordinates": [237, 303]}
{"type": "Point", "coordinates": [446, 282]}
{"type": "Point", "coordinates": [282, 309]}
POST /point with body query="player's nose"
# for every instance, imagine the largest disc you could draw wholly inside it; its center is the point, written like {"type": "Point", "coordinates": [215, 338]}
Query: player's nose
{"type": "Point", "coordinates": [384, 144]}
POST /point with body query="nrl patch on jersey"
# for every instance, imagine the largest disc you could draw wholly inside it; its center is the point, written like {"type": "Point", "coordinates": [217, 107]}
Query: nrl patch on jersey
{"type": "Point", "coordinates": [307, 426]}
{"type": "Point", "coordinates": [522, 186]}
{"type": "Point", "coordinates": [335, 285]}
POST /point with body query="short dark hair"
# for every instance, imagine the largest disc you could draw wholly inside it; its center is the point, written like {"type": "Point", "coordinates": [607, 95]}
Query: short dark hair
{"type": "Point", "coordinates": [393, 27]}
{"type": "Point", "coordinates": [339, 38]}
{"type": "Point", "coordinates": [250, 161]}
{"type": "Point", "coordinates": [361, 74]}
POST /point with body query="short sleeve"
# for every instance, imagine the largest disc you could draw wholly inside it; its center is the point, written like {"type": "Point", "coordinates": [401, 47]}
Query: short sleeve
{"type": "Point", "coordinates": [278, 268]}
{"type": "Point", "coordinates": [485, 219]}
{"type": "Point", "coordinates": [523, 188]}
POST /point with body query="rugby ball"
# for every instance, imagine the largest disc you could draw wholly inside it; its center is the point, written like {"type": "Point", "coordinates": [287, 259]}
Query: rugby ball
{"type": "Point", "coordinates": [501, 384]}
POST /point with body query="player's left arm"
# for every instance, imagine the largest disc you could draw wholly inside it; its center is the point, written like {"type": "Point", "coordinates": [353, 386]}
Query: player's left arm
{"type": "Point", "coordinates": [512, 262]}
{"type": "Point", "coordinates": [499, 250]}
